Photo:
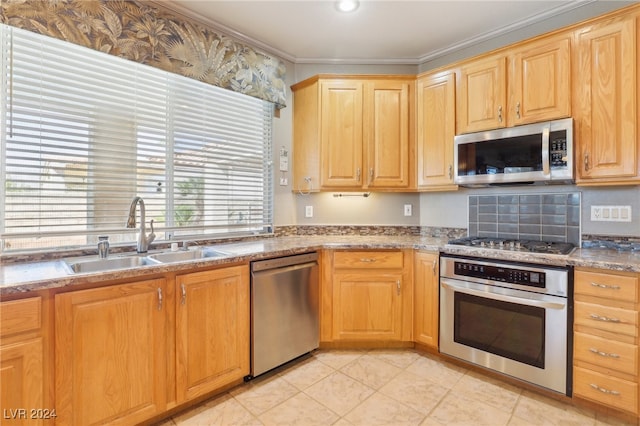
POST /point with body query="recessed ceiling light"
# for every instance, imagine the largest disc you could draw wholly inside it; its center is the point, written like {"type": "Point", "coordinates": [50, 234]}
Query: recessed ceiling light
{"type": "Point", "coordinates": [347, 5]}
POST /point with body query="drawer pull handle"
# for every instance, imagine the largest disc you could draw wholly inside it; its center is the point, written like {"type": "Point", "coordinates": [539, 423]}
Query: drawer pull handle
{"type": "Point", "coordinates": [610, 287]}
{"type": "Point", "coordinates": [605, 354]}
{"type": "Point", "coordinates": [183, 288]}
{"type": "Point", "coordinates": [398, 286]}
{"type": "Point", "coordinates": [603, 390]}
{"type": "Point", "coordinates": [604, 319]}
{"type": "Point", "coordinates": [367, 260]}
{"type": "Point", "coordinates": [159, 299]}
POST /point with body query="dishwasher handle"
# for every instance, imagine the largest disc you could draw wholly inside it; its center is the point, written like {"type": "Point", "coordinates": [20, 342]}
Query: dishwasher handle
{"type": "Point", "coordinates": [283, 262]}
{"type": "Point", "coordinates": [284, 269]}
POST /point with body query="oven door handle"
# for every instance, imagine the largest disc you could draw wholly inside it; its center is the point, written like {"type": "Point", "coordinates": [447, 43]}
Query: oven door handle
{"type": "Point", "coordinates": [501, 297]}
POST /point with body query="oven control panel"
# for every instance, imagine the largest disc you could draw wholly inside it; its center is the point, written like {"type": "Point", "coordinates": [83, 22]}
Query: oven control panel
{"type": "Point", "coordinates": [500, 274]}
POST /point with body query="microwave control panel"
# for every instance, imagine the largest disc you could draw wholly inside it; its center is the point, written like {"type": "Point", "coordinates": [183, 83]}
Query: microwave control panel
{"type": "Point", "coordinates": [558, 149]}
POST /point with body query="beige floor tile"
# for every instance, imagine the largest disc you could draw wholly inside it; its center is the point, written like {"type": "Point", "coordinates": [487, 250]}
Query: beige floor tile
{"type": "Point", "coordinates": [401, 358]}
{"type": "Point", "coordinates": [541, 410]}
{"type": "Point", "coordinates": [338, 358]}
{"type": "Point", "coordinates": [485, 389]}
{"type": "Point", "coordinates": [221, 411]}
{"type": "Point", "coordinates": [371, 371]}
{"type": "Point", "coordinates": [260, 396]}
{"type": "Point", "coordinates": [339, 392]}
{"type": "Point", "coordinates": [456, 409]}
{"type": "Point", "coordinates": [306, 373]}
{"type": "Point", "coordinates": [380, 409]}
{"type": "Point", "coordinates": [299, 410]}
{"type": "Point", "coordinates": [443, 373]}
{"type": "Point", "coordinates": [417, 392]}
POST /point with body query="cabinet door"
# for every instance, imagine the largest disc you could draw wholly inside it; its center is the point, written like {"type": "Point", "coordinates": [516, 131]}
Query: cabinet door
{"type": "Point", "coordinates": [539, 82]}
{"type": "Point", "coordinates": [111, 354]}
{"type": "Point", "coordinates": [367, 306]}
{"type": "Point", "coordinates": [482, 95]}
{"type": "Point", "coordinates": [436, 130]}
{"type": "Point", "coordinates": [212, 338]}
{"type": "Point", "coordinates": [387, 109]}
{"type": "Point", "coordinates": [426, 301]}
{"type": "Point", "coordinates": [22, 379]}
{"type": "Point", "coordinates": [341, 134]}
{"type": "Point", "coordinates": [605, 102]}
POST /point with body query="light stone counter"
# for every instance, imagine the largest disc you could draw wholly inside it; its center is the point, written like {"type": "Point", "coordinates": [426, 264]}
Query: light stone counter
{"type": "Point", "coordinates": [32, 276]}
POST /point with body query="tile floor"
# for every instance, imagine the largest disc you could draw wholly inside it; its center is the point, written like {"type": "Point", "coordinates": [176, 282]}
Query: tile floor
{"type": "Point", "coordinates": [382, 387]}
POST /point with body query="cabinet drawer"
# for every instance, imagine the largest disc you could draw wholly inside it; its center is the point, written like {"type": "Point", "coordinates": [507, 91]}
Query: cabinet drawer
{"type": "Point", "coordinates": [615, 320]}
{"type": "Point", "coordinates": [18, 316]}
{"type": "Point", "coordinates": [606, 353]}
{"type": "Point", "coordinates": [611, 391]}
{"type": "Point", "coordinates": [610, 286]}
{"type": "Point", "coordinates": [368, 259]}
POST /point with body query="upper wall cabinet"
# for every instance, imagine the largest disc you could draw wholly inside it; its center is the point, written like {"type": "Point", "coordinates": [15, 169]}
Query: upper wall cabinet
{"type": "Point", "coordinates": [436, 118]}
{"type": "Point", "coordinates": [526, 84]}
{"type": "Point", "coordinates": [605, 102]}
{"type": "Point", "coordinates": [353, 133]}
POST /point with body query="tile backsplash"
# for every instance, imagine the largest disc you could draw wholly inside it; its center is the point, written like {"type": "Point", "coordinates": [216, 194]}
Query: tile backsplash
{"type": "Point", "coordinates": [548, 217]}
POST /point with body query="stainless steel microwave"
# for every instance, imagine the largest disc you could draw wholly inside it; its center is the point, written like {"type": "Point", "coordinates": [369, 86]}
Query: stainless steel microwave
{"type": "Point", "coordinates": [532, 153]}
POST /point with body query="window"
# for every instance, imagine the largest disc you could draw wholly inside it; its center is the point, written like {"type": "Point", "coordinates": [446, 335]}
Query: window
{"type": "Point", "coordinates": [84, 132]}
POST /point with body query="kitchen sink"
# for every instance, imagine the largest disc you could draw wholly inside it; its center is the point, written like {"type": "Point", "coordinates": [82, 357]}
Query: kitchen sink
{"type": "Point", "coordinates": [99, 265]}
{"type": "Point", "coordinates": [184, 255]}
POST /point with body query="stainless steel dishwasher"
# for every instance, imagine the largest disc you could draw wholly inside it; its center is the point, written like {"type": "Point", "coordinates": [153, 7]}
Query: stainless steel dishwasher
{"type": "Point", "coordinates": [284, 310]}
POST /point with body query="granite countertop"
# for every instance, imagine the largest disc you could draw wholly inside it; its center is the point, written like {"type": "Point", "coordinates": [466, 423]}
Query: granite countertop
{"type": "Point", "coordinates": [31, 276]}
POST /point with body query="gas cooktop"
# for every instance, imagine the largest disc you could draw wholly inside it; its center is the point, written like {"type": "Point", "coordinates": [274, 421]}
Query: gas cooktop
{"type": "Point", "coordinates": [527, 246]}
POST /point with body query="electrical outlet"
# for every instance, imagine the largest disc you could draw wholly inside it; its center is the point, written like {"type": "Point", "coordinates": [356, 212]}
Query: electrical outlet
{"type": "Point", "coordinates": [611, 213]}
{"type": "Point", "coordinates": [308, 211]}
{"type": "Point", "coordinates": [407, 210]}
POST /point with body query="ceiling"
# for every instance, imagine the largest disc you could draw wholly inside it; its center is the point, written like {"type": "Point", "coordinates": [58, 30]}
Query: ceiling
{"type": "Point", "coordinates": [379, 32]}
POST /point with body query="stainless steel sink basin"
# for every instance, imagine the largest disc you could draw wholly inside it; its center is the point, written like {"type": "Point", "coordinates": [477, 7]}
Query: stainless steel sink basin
{"type": "Point", "coordinates": [109, 264]}
{"type": "Point", "coordinates": [180, 256]}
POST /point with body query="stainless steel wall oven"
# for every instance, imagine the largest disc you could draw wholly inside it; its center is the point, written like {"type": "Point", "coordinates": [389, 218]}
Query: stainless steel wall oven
{"type": "Point", "coordinates": [514, 318]}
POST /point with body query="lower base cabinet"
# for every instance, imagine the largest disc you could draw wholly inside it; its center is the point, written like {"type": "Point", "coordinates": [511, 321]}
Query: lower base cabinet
{"type": "Point", "coordinates": [371, 296]}
{"type": "Point", "coordinates": [606, 339]}
{"type": "Point", "coordinates": [425, 299]}
{"type": "Point", "coordinates": [111, 354]}
{"type": "Point", "coordinates": [23, 399]}
{"type": "Point", "coordinates": [212, 338]}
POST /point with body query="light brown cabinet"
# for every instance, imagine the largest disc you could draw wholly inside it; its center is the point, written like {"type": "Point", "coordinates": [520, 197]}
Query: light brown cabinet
{"type": "Point", "coordinates": [353, 133]}
{"type": "Point", "coordinates": [111, 353]}
{"type": "Point", "coordinates": [527, 83]}
{"type": "Point", "coordinates": [436, 118]}
{"type": "Point", "coordinates": [371, 296]}
{"type": "Point", "coordinates": [606, 341]}
{"type": "Point", "coordinates": [426, 299]}
{"type": "Point", "coordinates": [22, 363]}
{"type": "Point", "coordinates": [212, 338]}
{"type": "Point", "coordinates": [606, 102]}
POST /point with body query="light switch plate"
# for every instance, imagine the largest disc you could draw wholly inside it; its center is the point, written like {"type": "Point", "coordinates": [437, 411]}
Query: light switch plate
{"type": "Point", "coordinates": [611, 213]}
{"type": "Point", "coordinates": [408, 210]}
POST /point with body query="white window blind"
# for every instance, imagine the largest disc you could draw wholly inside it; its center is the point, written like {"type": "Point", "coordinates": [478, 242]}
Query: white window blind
{"type": "Point", "coordinates": [84, 132]}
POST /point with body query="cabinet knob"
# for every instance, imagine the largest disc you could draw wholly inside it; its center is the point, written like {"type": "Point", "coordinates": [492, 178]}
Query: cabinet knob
{"type": "Point", "coordinates": [603, 318]}
{"type": "Point", "coordinates": [603, 390]}
{"type": "Point", "coordinates": [586, 162]}
{"type": "Point", "coordinates": [604, 354]}
{"type": "Point", "coordinates": [609, 287]}
{"type": "Point", "coordinates": [159, 299]}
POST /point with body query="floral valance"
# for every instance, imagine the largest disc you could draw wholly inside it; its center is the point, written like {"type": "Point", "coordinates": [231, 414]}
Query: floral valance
{"type": "Point", "coordinates": [140, 32]}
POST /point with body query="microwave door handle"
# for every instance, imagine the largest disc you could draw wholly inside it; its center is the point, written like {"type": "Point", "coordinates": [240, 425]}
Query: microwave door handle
{"type": "Point", "coordinates": [545, 152]}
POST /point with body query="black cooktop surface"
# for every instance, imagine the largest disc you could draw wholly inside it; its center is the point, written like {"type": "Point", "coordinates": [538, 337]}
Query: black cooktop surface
{"type": "Point", "coordinates": [530, 246]}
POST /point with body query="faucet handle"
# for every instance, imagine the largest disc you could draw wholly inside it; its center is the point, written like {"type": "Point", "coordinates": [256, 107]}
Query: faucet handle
{"type": "Point", "coordinates": [152, 235]}
{"type": "Point", "coordinates": [103, 246]}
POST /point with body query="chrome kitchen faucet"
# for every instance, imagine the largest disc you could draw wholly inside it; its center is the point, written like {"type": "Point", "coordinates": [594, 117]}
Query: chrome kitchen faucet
{"type": "Point", "coordinates": [143, 239]}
